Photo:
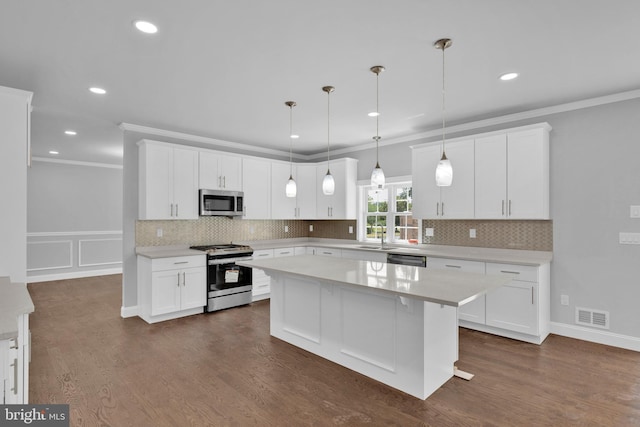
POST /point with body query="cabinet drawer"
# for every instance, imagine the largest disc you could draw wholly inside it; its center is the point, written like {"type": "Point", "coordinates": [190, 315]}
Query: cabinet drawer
{"type": "Point", "coordinates": [456, 264]}
{"type": "Point", "coordinates": [283, 252]}
{"type": "Point", "coordinates": [263, 254]}
{"type": "Point", "coordinates": [329, 252]}
{"type": "Point", "coordinates": [174, 263]}
{"type": "Point", "coordinates": [525, 273]}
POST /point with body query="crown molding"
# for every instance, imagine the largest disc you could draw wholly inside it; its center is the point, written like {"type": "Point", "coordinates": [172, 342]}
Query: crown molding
{"type": "Point", "coordinates": [509, 118]}
{"type": "Point", "coordinates": [470, 126]}
{"type": "Point", "coordinates": [206, 140]}
{"type": "Point", "coordinates": [77, 163]}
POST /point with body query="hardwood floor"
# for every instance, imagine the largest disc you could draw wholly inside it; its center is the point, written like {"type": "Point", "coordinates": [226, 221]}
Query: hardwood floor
{"type": "Point", "coordinates": [224, 369]}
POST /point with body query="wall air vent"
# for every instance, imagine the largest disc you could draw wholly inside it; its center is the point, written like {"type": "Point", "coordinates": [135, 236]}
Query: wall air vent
{"type": "Point", "coordinates": [591, 317]}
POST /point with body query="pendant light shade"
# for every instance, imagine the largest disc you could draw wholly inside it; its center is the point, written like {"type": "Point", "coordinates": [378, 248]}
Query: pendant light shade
{"type": "Point", "coordinates": [291, 189]}
{"type": "Point", "coordinates": [377, 175]}
{"type": "Point", "coordinates": [444, 170]}
{"type": "Point", "coordinates": [328, 184]}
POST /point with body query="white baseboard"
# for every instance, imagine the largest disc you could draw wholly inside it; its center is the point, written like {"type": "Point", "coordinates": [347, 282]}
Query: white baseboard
{"type": "Point", "coordinates": [129, 311]}
{"type": "Point", "coordinates": [600, 337]}
{"type": "Point", "coordinates": [74, 275]}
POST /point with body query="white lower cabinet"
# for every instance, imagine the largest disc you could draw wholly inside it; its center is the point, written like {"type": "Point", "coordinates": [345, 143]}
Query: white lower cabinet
{"type": "Point", "coordinates": [15, 355]}
{"type": "Point", "coordinates": [517, 306]}
{"type": "Point", "coordinates": [173, 287]}
{"type": "Point", "coordinates": [328, 252]}
{"type": "Point", "coordinates": [261, 282]}
{"type": "Point", "coordinates": [473, 311]}
{"type": "Point", "coordinates": [518, 310]}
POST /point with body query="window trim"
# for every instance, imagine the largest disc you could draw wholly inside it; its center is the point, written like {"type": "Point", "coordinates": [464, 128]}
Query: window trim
{"type": "Point", "coordinates": [392, 184]}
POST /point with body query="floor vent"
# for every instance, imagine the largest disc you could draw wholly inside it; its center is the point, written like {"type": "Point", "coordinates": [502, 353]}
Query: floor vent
{"type": "Point", "coordinates": [590, 317]}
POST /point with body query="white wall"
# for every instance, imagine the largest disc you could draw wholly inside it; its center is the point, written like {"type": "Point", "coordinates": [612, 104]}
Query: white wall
{"type": "Point", "coordinates": [14, 125]}
{"type": "Point", "coordinates": [74, 220]}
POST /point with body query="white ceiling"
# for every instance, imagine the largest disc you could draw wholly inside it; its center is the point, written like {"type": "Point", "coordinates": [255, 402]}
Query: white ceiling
{"type": "Point", "coordinates": [223, 69]}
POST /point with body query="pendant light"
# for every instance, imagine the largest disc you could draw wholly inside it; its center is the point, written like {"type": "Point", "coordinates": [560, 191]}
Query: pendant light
{"type": "Point", "coordinates": [377, 175]}
{"type": "Point", "coordinates": [444, 171]}
{"type": "Point", "coordinates": [291, 188]}
{"type": "Point", "coordinates": [328, 184]}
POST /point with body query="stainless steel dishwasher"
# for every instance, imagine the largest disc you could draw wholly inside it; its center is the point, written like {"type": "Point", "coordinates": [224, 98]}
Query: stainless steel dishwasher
{"type": "Point", "coordinates": [405, 259]}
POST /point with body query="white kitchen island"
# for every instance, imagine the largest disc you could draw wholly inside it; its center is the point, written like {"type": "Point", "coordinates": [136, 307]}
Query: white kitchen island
{"type": "Point", "coordinates": [394, 323]}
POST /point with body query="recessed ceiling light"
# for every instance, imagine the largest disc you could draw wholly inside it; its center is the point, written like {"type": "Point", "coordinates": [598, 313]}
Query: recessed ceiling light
{"type": "Point", "coordinates": [373, 114]}
{"type": "Point", "coordinates": [70, 132]}
{"type": "Point", "coordinates": [295, 136]}
{"type": "Point", "coordinates": [508, 76]}
{"type": "Point", "coordinates": [53, 152]}
{"type": "Point", "coordinates": [97, 90]}
{"type": "Point", "coordinates": [146, 27]}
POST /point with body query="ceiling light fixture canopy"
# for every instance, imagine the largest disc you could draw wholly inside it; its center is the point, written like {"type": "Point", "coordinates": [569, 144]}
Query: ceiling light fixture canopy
{"type": "Point", "coordinates": [328, 184]}
{"type": "Point", "coordinates": [291, 189]}
{"type": "Point", "coordinates": [377, 175]}
{"type": "Point", "coordinates": [444, 170]}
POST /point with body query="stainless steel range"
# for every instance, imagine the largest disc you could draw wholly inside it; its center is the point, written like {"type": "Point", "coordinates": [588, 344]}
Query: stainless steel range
{"type": "Point", "coordinates": [228, 284]}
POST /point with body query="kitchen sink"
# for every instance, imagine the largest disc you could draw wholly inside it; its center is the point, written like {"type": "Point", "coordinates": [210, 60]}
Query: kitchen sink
{"type": "Point", "coordinates": [374, 247]}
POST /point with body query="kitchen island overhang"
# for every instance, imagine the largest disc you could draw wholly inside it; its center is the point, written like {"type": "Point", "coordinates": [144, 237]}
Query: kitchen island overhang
{"type": "Point", "coordinates": [393, 323]}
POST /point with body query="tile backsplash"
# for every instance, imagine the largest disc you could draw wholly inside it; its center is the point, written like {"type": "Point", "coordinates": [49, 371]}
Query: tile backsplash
{"type": "Point", "coordinates": [506, 234]}
{"type": "Point", "coordinates": [215, 229]}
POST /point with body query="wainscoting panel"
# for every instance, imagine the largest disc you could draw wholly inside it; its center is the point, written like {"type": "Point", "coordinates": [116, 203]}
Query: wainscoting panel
{"type": "Point", "coordinates": [92, 252]}
{"type": "Point", "coordinates": [49, 255]}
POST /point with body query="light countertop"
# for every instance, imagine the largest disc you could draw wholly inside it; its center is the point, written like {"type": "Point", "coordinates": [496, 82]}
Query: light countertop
{"type": "Point", "coordinates": [446, 287]}
{"type": "Point", "coordinates": [14, 301]}
{"type": "Point", "coordinates": [505, 256]}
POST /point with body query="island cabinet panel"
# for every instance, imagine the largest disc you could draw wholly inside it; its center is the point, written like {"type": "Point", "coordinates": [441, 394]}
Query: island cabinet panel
{"type": "Point", "coordinates": [407, 343]}
{"type": "Point", "coordinates": [15, 355]}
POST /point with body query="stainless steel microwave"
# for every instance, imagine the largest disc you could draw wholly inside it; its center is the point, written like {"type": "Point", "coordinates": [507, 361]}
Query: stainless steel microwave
{"type": "Point", "coordinates": [221, 203]}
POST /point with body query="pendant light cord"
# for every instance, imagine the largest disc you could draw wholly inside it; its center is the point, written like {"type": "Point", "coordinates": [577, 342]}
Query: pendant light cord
{"type": "Point", "coordinates": [377, 117]}
{"type": "Point", "coordinates": [443, 105]}
{"type": "Point", "coordinates": [291, 141]}
{"type": "Point", "coordinates": [328, 125]}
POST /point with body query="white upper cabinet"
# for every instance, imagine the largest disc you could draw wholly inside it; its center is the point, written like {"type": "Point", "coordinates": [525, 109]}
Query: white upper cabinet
{"type": "Point", "coordinates": [342, 203]}
{"type": "Point", "coordinates": [497, 175]}
{"type": "Point", "coordinates": [282, 207]}
{"type": "Point", "coordinates": [453, 202]}
{"type": "Point", "coordinates": [256, 180]}
{"type": "Point", "coordinates": [307, 187]}
{"type": "Point", "coordinates": [220, 172]}
{"type": "Point", "coordinates": [512, 175]}
{"type": "Point", "coordinates": [303, 206]}
{"type": "Point", "coordinates": [168, 181]}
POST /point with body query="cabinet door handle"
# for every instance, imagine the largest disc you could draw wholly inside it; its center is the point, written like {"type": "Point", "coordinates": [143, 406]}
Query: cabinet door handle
{"type": "Point", "coordinates": [503, 208]}
{"type": "Point", "coordinates": [171, 210]}
{"type": "Point", "coordinates": [181, 262]}
{"type": "Point", "coordinates": [442, 208]}
{"type": "Point", "coordinates": [184, 278]}
{"type": "Point", "coordinates": [178, 279]}
{"type": "Point", "coordinates": [176, 210]}
{"type": "Point", "coordinates": [453, 266]}
{"type": "Point", "coordinates": [437, 208]}
{"type": "Point", "coordinates": [509, 207]}
{"type": "Point", "coordinates": [224, 181]}
{"type": "Point", "coordinates": [219, 181]}
{"type": "Point", "coordinates": [15, 376]}
{"type": "Point", "coordinates": [532, 296]}
{"type": "Point", "coordinates": [285, 253]}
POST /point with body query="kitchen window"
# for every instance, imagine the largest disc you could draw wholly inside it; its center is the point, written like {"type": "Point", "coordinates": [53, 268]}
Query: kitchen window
{"type": "Point", "coordinates": [387, 212]}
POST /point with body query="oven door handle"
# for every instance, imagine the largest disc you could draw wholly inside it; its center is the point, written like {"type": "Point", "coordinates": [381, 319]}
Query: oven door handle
{"type": "Point", "coordinates": [228, 260]}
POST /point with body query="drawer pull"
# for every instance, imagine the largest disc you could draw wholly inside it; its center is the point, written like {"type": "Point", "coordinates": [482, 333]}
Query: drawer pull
{"type": "Point", "coordinates": [452, 266]}
{"type": "Point", "coordinates": [285, 253]}
{"type": "Point", "coordinates": [509, 272]}
{"type": "Point", "coordinates": [182, 262]}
